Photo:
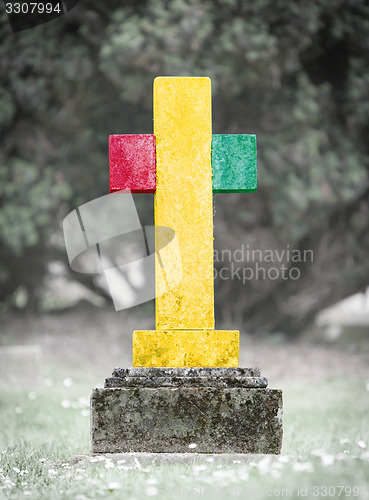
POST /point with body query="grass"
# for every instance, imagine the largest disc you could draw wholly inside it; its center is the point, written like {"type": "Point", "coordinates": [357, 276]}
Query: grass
{"type": "Point", "coordinates": [325, 451]}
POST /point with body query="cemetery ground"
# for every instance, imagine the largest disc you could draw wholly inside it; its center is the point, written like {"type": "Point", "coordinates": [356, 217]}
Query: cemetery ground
{"type": "Point", "coordinates": [43, 426]}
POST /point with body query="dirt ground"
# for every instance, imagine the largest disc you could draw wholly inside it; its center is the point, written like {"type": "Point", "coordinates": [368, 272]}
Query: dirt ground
{"type": "Point", "coordinates": [88, 342]}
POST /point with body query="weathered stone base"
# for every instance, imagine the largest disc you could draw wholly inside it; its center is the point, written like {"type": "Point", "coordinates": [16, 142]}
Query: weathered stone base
{"type": "Point", "coordinates": [168, 419]}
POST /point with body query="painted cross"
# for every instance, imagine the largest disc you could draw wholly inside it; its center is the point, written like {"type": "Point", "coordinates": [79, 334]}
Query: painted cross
{"type": "Point", "coordinates": [183, 164]}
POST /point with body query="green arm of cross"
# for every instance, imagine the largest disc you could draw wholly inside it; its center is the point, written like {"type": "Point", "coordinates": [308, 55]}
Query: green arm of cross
{"type": "Point", "coordinates": [233, 160]}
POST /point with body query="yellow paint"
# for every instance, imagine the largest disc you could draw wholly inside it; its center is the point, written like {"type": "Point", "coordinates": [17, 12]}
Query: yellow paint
{"type": "Point", "coordinates": [185, 348]}
{"type": "Point", "coordinates": [168, 274]}
{"type": "Point", "coordinates": [184, 334]}
{"type": "Point", "coordinates": [184, 198]}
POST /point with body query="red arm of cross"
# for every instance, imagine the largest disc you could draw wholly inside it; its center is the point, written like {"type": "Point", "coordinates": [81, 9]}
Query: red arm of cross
{"type": "Point", "coordinates": [132, 163]}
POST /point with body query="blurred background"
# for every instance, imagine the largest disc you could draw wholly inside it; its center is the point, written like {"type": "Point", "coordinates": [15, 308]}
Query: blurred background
{"type": "Point", "coordinates": [294, 73]}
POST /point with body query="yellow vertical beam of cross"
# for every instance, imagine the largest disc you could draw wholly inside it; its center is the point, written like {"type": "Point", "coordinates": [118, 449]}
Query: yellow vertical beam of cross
{"type": "Point", "coordinates": [184, 197]}
{"type": "Point", "coordinates": [185, 334]}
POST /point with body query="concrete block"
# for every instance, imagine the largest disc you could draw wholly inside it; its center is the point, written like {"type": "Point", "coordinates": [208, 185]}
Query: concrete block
{"type": "Point", "coordinates": [170, 419]}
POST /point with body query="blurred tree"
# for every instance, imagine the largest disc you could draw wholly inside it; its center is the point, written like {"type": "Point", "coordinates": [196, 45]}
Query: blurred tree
{"type": "Point", "coordinates": [297, 74]}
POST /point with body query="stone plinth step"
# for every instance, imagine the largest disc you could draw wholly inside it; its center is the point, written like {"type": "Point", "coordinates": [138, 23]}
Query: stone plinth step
{"type": "Point", "coordinates": [210, 414]}
{"type": "Point", "coordinates": [186, 372]}
{"type": "Point", "coordinates": [186, 377]}
{"type": "Point", "coordinates": [251, 382]}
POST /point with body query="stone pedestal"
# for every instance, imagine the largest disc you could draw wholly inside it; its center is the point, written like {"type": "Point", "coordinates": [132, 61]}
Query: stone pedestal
{"type": "Point", "coordinates": [169, 410]}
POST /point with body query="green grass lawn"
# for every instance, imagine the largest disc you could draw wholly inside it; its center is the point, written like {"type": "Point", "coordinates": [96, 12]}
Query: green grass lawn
{"type": "Point", "coordinates": [325, 451]}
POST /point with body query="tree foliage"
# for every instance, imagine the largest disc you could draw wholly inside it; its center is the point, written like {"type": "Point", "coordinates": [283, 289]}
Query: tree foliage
{"type": "Point", "coordinates": [294, 73]}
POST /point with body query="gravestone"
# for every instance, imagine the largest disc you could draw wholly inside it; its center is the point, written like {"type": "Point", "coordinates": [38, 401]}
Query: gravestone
{"type": "Point", "coordinates": [185, 391]}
